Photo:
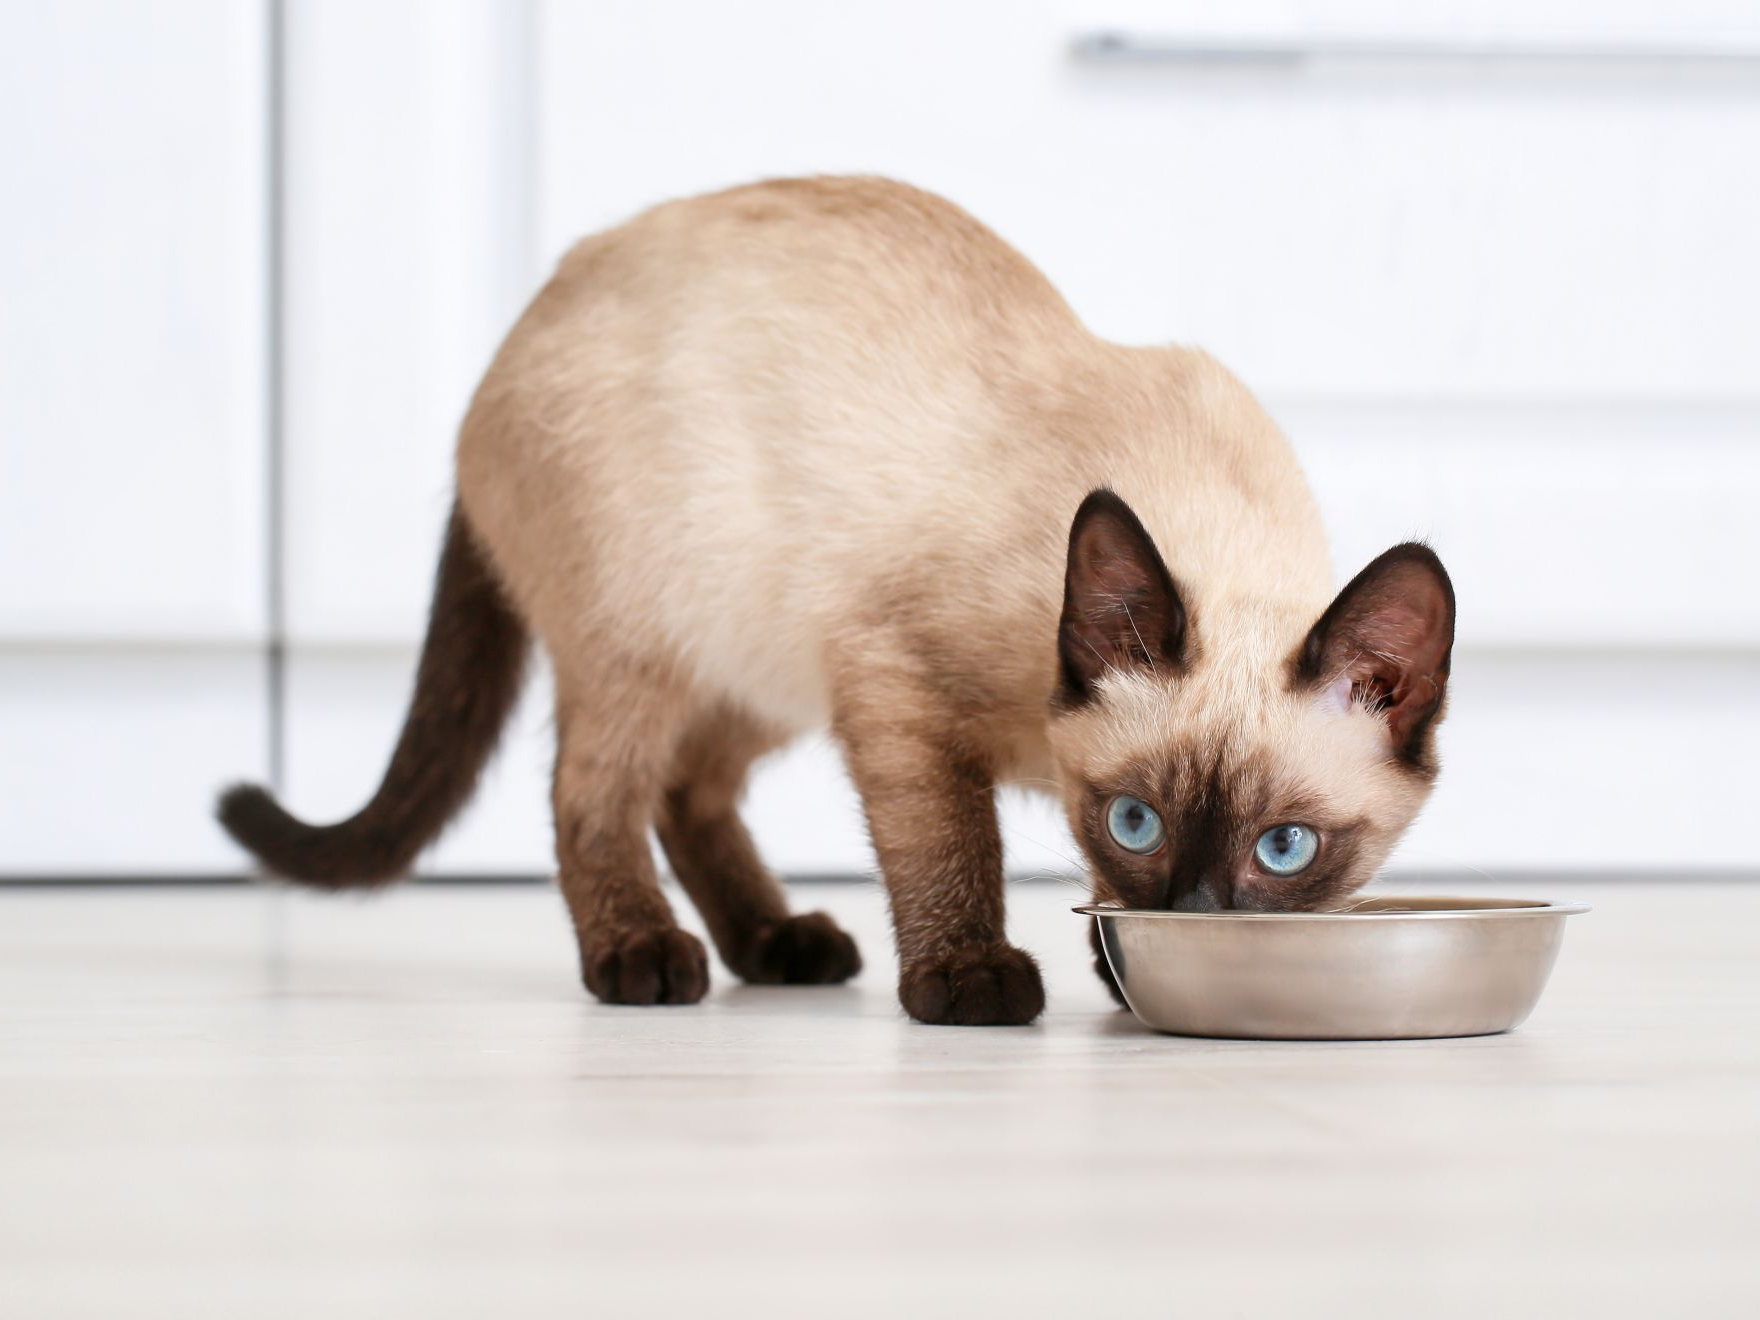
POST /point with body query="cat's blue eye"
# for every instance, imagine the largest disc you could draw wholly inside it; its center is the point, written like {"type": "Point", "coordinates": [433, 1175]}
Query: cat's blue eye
{"type": "Point", "coordinates": [1286, 849]}
{"type": "Point", "coordinates": [1135, 825]}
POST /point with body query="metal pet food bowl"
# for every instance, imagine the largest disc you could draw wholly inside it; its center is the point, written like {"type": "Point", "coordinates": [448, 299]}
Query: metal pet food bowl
{"type": "Point", "coordinates": [1385, 969]}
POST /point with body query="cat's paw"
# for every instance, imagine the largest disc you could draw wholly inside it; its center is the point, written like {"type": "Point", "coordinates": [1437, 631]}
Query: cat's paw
{"type": "Point", "coordinates": [992, 987]}
{"type": "Point", "coordinates": [647, 967]}
{"type": "Point", "coordinates": [807, 949]}
{"type": "Point", "coordinates": [1102, 968]}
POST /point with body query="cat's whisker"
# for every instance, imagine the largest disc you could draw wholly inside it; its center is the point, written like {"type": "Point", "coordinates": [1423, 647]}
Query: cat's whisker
{"type": "Point", "coordinates": [1074, 881]}
{"type": "Point", "coordinates": [1027, 838]}
{"type": "Point", "coordinates": [1069, 861]}
{"type": "Point", "coordinates": [1350, 905]}
{"type": "Point", "coordinates": [1050, 784]}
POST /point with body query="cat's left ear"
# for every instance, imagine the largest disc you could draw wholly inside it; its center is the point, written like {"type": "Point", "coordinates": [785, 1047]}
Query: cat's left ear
{"type": "Point", "coordinates": [1120, 607]}
{"type": "Point", "coordinates": [1388, 636]}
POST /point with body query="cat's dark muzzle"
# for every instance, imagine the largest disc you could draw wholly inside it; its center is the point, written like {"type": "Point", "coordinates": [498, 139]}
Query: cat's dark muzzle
{"type": "Point", "coordinates": [1190, 891]}
{"type": "Point", "coordinates": [1172, 894]}
{"type": "Point", "coordinates": [1200, 899]}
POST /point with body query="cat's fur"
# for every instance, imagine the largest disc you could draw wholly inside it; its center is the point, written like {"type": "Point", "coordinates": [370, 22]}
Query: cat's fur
{"type": "Point", "coordinates": [827, 452]}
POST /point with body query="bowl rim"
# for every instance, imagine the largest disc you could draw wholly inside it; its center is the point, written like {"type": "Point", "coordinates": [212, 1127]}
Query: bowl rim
{"type": "Point", "coordinates": [1479, 909]}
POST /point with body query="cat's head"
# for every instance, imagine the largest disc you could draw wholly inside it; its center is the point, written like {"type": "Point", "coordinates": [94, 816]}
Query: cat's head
{"type": "Point", "coordinates": [1245, 761]}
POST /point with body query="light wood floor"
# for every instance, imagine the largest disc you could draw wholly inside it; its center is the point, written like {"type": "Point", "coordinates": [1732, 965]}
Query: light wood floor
{"type": "Point", "coordinates": [245, 1104]}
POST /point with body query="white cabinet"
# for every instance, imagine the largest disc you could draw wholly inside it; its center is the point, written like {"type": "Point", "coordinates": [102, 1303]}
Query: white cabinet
{"type": "Point", "coordinates": [1560, 251]}
{"type": "Point", "coordinates": [1513, 306]}
{"type": "Point", "coordinates": [345, 706]}
{"type": "Point", "coordinates": [408, 253]}
{"type": "Point", "coordinates": [112, 758]}
{"type": "Point", "coordinates": [134, 405]}
{"type": "Point", "coordinates": [1590, 525]}
{"type": "Point", "coordinates": [1389, 227]}
{"type": "Point", "coordinates": [132, 347]}
{"type": "Point", "coordinates": [407, 256]}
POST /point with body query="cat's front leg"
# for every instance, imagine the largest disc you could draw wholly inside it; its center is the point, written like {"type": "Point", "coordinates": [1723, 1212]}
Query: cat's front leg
{"type": "Point", "coordinates": [930, 800]}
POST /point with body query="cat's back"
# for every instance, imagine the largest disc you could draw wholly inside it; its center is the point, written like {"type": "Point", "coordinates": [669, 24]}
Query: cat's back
{"type": "Point", "coordinates": [731, 410]}
{"type": "Point", "coordinates": [858, 245]}
{"type": "Point", "coordinates": [738, 417]}
{"type": "Point", "coordinates": [798, 323]}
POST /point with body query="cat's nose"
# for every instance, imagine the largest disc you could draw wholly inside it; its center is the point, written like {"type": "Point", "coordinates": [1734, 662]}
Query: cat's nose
{"type": "Point", "coordinates": [1204, 893]}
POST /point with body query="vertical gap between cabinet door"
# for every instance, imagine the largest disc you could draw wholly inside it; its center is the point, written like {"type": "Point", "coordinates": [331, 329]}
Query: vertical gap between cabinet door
{"type": "Point", "coordinates": [276, 351]}
{"type": "Point", "coordinates": [275, 913]}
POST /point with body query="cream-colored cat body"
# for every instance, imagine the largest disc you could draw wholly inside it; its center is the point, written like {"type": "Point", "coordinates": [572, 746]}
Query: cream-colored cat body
{"type": "Point", "coordinates": [811, 453]}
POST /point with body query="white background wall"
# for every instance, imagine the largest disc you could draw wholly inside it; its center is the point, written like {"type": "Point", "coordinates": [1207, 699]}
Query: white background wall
{"type": "Point", "coordinates": [1512, 305]}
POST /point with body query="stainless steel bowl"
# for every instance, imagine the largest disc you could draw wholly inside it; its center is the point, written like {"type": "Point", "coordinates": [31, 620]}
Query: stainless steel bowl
{"type": "Point", "coordinates": [1387, 969]}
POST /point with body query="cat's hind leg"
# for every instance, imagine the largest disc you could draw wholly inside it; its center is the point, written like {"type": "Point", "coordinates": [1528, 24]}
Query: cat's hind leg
{"type": "Point", "coordinates": [714, 859]}
{"type": "Point", "coordinates": [616, 727]}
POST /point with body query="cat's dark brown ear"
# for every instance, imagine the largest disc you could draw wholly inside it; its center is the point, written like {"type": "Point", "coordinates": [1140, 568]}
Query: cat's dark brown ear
{"type": "Point", "coordinates": [1389, 636]}
{"type": "Point", "coordinates": [1121, 609]}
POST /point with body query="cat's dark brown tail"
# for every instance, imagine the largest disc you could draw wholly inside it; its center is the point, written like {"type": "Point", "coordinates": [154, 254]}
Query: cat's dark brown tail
{"type": "Point", "coordinates": [466, 685]}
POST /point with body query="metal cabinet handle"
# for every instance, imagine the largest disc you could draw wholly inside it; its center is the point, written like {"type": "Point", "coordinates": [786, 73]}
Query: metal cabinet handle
{"type": "Point", "coordinates": [1127, 47]}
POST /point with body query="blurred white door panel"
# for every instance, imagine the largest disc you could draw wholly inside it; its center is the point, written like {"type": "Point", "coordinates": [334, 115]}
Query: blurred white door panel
{"type": "Point", "coordinates": [110, 760]}
{"type": "Point", "coordinates": [1598, 763]}
{"type": "Point", "coordinates": [407, 256]}
{"type": "Point", "coordinates": [133, 259]}
{"type": "Point", "coordinates": [1588, 526]}
{"type": "Point", "coordinates": [134, 406]}
{"type": "Point", "coordinates": [345, 707]}
{"type": "Point", "coordinates": [1389, 227]}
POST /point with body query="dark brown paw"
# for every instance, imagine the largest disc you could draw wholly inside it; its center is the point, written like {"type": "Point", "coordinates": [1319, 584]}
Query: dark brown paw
{"type": "Point", "coordinates": [648, 967]}
{"type": "Point", "coordinates": [808, 949]}
{"type": "Point", "coordinates": [997, 987]}
{"type": "Point", "coordinates": [1102, 967]}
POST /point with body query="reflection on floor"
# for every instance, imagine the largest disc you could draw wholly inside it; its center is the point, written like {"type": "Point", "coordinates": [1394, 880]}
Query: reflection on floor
{"type": "Point", "coordinates": [236, 1102]}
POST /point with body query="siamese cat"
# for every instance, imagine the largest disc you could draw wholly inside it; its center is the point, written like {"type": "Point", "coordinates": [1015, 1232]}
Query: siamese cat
{"type": "Point", "coordinates": [829, 453]}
